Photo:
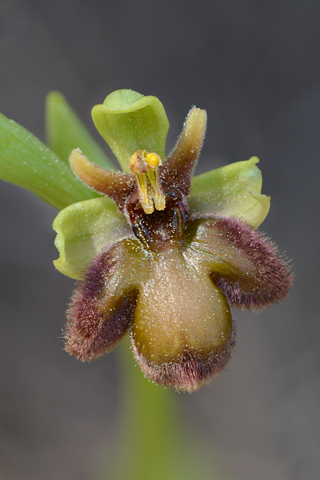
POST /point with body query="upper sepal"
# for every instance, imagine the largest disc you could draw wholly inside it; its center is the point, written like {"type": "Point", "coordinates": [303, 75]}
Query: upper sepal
{"type": "Point", "coordinates": [128, 122]}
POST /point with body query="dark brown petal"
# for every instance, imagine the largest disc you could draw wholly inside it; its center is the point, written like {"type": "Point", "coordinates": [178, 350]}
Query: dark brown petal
{"type": "Point", "coordinates": [178, 169]}
{"type": "Point", "coordinates": [116, 185]}
{"type": "Point", "coordinates": [242, 262]}
{"type": "Point", "coordinates": [102, 305]}
{"type": "Point", "coordinates": [182, 331]}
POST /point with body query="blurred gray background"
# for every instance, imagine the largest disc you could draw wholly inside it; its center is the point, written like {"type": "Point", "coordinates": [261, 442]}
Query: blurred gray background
{"type": "Point", "coordinates": [254, 65]}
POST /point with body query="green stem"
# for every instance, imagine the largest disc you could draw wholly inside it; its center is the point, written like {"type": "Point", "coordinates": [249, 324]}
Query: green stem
{"type": "Point", "coordinates": [152, 443]}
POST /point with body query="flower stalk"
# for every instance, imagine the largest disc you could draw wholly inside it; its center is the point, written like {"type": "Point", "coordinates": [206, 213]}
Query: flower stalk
{"type": "Point", "coordinates": [153, 441]}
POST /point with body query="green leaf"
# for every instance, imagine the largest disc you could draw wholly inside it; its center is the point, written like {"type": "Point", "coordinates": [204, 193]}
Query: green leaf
{"type": "Point", "coordinates": [83, 229]}
{"type": "Point", "coordinates": [65, 132]}
{"type": "Point", "coordinates": [128, 122]}
{"type": "Point", "coordinates": [233, 190]}
{"type": "Point", "coordinates": [27, 162]}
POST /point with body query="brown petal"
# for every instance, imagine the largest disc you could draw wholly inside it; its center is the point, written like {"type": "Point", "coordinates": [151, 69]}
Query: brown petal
{"type": "Point", "coordinates": [102, 305]}
{"type": "Point", "coordinates": [116, 185]}
{"type": "Point", "coordinates": [182, 332]}
{"type": "Point", "coordinates": [178, 169]}
{"type": "Point", "coordinates": [242, 262]}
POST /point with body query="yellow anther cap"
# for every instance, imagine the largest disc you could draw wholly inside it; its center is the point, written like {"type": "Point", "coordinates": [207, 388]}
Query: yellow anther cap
{"type": "Point", "coordinates": [152, 159]}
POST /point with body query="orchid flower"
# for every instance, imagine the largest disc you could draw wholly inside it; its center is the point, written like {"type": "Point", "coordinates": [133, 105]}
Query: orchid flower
{"type": "Point", "coordinates": [157, 252]}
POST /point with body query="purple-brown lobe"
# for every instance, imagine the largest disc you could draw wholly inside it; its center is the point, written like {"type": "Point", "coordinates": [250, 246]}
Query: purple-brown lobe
{"type": "Point", "coordinates": [242, 262]}
{"type": "Point", "coordinates": [102, 305]}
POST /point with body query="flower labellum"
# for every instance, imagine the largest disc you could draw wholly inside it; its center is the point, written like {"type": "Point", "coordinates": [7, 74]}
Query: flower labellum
{"type": "Point", "coordinates": [162, 254]}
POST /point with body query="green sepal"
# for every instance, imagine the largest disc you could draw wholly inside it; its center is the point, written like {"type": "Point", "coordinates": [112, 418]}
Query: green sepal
{"type": "Point", "coordinates": [83, 229]}
{"type": "Point", "coordinates": [128, 122]}
{"type": "Point", "coordinates": [233, 190]}
{"type": "Point", "coordinates": [65, 132]}
{"type": "Point", "coordinates": [27, 162]}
